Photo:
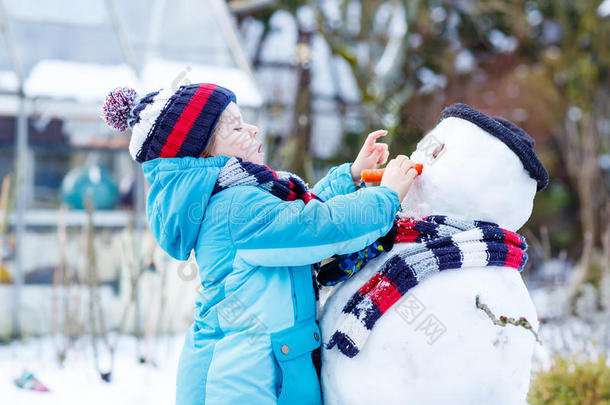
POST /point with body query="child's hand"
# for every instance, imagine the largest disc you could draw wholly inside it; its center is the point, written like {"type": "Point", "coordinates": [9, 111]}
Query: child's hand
{"type": "Point", "coordinates": [371, 155]}
{"type": "Point", "coordinates": [399, 175]}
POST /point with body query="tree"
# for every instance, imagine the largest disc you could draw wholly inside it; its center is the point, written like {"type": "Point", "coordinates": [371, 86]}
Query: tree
{"type": "Point", "coordinates": [544, 64]}
{"type": "Point", "coordinates": [556, 51]}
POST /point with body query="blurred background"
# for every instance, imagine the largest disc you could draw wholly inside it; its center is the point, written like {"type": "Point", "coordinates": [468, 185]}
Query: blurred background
{"type": "Point", "coordinates": [91, 306]}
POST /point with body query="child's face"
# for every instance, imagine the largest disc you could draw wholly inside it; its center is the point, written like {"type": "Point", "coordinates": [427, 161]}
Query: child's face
{"type": "Point", "coordinates": [235, 138]}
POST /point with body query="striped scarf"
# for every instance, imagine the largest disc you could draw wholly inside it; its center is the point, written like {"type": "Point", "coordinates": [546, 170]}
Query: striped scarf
{"type": "Point", "coordinates": [285, 185]}
{"type": "Point", "coordinates": [436, 243]}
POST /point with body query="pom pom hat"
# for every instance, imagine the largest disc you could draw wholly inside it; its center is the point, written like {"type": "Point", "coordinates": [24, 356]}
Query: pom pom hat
{"type": "Point", "coordinates": [167, 123]}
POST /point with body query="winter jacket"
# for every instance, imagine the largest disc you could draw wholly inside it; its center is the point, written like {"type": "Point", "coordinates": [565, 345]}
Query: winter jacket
{"type": "Point", "coordinates": [254, 325]}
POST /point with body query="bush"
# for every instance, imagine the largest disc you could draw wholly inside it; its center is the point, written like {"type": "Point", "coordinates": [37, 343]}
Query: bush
{"type": "Point", "coordinates": [572, 381]}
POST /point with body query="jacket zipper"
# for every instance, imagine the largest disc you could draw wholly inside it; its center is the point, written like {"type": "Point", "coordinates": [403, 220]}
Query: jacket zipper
{"type": "Point", "coordinates": [294, 295]}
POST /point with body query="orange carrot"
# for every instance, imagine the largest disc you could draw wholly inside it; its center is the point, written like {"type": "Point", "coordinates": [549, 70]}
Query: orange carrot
{"type": "Point", "coordinates": [375, 175]}
{"type": "Point", "coordinates": [372, 175]}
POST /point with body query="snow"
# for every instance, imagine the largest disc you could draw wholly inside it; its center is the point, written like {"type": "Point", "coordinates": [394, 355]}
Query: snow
{"type": "Point", "coordinates": [79, 13]}
{"type": "Point", "coordinates": [434, 346]}
{"type": "Point", "coordinates": [431, 81]}
{"type": "Point", "coordinates": [464, 61]}
{"type": "Point", "coordinates": [464, 359]}
{"type": "Point", "coordinates": [134, 383]}
{"type": "Point", "coordinates": [279, 45]}
{"type": "Point", "coordinates": [502, 42]}
{"type": "Point", "coordinates": [585, 334]}
{"type": "Point", "coordinates": [91, 82]}
{"type": "Point", "coordinates": [324, 84]}
{"type": "Point", "coordinates": [8, 81]}
{"type": "Point", "coordinates": [604, 9]}
{"type": "Point", "coordinates": [475, 177]}
{"type": "Point", "coordinates": [78, 382]}
{"type": "Point", "coordinates": [397, 29]}
{"type": "Point", "coordinates": [81, 81]}
{"type": "Point", "coordinates": [160, 73]}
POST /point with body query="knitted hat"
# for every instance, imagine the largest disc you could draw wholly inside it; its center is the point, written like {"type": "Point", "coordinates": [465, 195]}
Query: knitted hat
{"type": "Point", "coordinates": [167, 123]}
{"type": "Point", "coordinates": [513, 136]}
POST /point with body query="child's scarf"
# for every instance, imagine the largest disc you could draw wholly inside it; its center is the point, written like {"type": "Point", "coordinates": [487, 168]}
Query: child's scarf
{"type": "Point", "coordinates": [345, 266]}
{"type": "Point", "coordinates": [285, 185]}
{"type": "Point", "coordinates": [436, 243]}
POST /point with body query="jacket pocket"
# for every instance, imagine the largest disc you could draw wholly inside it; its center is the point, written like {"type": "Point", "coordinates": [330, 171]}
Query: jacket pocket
{"type": "Point", "coordinates": [292, 349]}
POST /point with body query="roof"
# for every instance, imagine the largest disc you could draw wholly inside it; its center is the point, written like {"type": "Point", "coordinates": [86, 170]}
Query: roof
{"type": "Point", "coordinates": [78, 51]}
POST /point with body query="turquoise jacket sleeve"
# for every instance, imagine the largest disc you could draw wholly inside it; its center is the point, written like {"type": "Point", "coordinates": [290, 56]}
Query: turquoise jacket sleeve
{"type": "Point", "coordinates": [267, 231]}
{"type": "Point", "coordinates": [338, 181]}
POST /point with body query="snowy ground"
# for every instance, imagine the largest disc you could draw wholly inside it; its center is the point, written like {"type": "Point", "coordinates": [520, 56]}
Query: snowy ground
{"type": "Point", "coordinates": [78, 381]}
{"type": "Point", "coordinates": [587, 335]}
{"type": "Point", "coordinates": [134, 383]}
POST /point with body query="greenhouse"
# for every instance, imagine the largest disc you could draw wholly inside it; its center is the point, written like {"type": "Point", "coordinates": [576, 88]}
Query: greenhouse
{"type": "Point", "coordinates": [58, 62]}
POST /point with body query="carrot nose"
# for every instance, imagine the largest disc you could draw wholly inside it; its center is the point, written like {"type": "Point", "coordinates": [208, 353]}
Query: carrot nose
{"type": "Point", "coordinates": [375, 175]}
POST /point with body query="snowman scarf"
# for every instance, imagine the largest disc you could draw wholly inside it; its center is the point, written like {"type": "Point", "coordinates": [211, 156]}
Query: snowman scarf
{"type": "Point", "coordinates": [436, 243]}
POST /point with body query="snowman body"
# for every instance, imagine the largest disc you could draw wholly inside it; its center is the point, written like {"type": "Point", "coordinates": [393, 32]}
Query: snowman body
{"type": "Point", "coordinates": [434, 346]}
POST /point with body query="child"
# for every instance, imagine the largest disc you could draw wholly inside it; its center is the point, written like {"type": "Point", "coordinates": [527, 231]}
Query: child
{"type": "Point", "coordinates": [255, 233]}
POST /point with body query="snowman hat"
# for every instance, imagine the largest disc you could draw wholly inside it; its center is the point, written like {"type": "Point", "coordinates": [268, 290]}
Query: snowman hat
{"type": "Point", "coordinates": [167, 123]}
{"type": "Point", "coordinates": [514, 137]}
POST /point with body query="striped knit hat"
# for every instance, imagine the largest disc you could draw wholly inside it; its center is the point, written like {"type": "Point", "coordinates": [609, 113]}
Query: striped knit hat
{"type": "Point", "coordinates": [514, 137]}
{"type": "Point", "coordinates": [167, 123]}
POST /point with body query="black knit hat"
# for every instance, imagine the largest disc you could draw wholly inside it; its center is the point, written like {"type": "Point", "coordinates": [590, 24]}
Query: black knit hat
{"type": "Point", "coordinates": [513, 136]}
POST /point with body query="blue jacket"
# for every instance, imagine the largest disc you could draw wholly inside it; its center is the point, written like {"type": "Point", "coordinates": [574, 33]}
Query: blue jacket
{"type": "Point", "coordinates": [255, 327]}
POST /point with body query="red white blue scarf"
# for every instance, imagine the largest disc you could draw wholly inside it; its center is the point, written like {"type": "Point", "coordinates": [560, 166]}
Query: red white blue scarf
{"type": "Point", "coordinates": [436, 243]}
{"type": "Point", "coordinates": [285, 185]}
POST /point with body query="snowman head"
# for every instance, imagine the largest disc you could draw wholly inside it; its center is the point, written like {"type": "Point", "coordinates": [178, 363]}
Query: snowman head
{"type": "Point", "coordinates": [476, 168]}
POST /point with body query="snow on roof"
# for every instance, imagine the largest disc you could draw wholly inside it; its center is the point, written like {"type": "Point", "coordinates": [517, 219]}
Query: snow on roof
{"type": "Point", "coordinates": [89, 82]}
{"type": "Point", "coordinates": [9, 82]}
{"type": "Point", "coordinates": [160, 73]}
{"type": "Point", "coordinates": [89, 13]}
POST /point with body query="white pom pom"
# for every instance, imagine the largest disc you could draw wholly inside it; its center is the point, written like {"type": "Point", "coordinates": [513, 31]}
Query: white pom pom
{"type": "Point", "coordinates": [117, 109]}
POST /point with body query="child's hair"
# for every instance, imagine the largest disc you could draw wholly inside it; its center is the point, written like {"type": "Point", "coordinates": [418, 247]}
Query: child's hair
{"type": "Point", "coordinates": [207, 152]}
{"type": "Point", "coordinates": [211, 143]}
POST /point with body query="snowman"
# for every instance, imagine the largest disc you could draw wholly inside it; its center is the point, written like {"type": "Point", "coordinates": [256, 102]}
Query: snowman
{"type": "Point", "coordinates": [444, 316]}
